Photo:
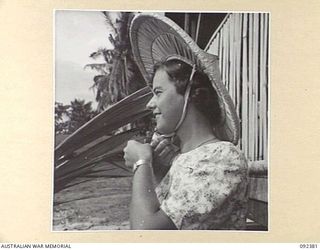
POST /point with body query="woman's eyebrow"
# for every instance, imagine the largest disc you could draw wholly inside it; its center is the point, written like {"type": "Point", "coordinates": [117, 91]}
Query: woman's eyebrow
{"type": "Point", "coordinates": [157, 88]}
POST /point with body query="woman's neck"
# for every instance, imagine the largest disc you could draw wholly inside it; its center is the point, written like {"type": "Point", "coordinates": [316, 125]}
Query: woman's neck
{"type": "Point", "coordinates": [195, 131]}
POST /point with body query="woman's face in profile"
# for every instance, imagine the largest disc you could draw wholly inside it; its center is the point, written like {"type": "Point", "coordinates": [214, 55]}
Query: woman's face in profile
{"type": "Point", "coordinates": [167, 104]}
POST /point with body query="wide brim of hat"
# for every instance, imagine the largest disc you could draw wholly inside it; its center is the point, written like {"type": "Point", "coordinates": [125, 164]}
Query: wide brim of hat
{"type": "Point", "coordinates": [156, 38]}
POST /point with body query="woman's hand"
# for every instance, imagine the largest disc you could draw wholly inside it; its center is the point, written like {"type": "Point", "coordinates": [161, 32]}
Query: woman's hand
{"type": "Point", "coordinates": [135, 151]}
{"type": "Point", "coordinates": [163, 153]}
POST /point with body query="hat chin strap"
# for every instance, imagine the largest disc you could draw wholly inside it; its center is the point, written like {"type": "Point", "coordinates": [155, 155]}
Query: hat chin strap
{"type": "Point", "coordinates": [185, 105]}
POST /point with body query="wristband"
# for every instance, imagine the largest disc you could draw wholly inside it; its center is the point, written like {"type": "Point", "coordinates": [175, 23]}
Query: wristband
{"type": "Point", "coordinates": [138, 164]}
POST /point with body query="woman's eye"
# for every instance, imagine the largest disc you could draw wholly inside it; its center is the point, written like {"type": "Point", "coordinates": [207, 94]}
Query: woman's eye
{"type": "Point", "coordinates": [157, 92]}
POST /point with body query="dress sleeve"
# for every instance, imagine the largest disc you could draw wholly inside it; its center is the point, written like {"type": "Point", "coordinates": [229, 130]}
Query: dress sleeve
{"type": "Point", "coordinates": [202, 189]}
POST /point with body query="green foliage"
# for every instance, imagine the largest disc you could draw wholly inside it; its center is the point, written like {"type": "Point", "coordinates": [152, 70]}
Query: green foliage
{"type": "Point", "coordinates": [68, 118]}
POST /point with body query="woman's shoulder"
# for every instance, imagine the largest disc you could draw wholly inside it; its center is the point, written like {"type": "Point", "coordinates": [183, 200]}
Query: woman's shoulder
{"type": "Point", "coordinates": [221, 154]}
{"type": "Point", "coordinates": [228, 157]}
{"type": "Point", "coordinates": [220, 149]}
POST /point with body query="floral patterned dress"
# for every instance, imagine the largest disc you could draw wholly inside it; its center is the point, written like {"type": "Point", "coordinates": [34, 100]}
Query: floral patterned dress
{"type": "Point", "coordinates": [206, 188]}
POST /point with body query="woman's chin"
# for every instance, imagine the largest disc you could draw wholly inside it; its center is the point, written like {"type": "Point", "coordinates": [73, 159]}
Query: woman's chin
{"type": "Point", "coordinates": [164, 127]}
{"type": "Point", "coordinates": [163, 131]}
{"type": "Point", "coordinates": [159, 129]}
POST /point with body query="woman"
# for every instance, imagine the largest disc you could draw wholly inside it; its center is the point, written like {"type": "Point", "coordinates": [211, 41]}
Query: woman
{"type": "Point", "coordinates": [206, 186]}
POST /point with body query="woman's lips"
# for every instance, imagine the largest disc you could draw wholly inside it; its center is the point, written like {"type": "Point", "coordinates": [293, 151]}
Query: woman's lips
{"type": "Point", "coordinates": [157, 117]}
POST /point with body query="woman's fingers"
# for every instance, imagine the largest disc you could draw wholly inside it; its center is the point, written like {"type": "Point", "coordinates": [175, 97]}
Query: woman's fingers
{"type": "Point", "coordinates": [164, 152]}
{"type": "Point", "coordinates": [166, 156]}
{"type": "Point", "coordinates": [170, 156]}
{"type": "Point", "coordinates": [126, 157]}
{"type": "Point", "coordinates": [135, 151]}
{"type": "Point", "coordinates": [155, 142]}
{"type": "Point", "coordinates": [161, 146]}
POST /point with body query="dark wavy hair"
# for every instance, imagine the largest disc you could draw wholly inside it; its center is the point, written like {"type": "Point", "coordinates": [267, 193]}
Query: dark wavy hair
{"type": "Point", "coordinates": [203, 96]}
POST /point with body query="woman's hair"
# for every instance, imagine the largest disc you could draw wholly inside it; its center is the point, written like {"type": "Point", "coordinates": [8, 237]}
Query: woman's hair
{"type": "Point", "coordinates": [203, 96]}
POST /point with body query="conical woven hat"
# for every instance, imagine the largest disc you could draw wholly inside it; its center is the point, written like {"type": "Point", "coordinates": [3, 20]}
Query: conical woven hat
{"type": "Point", "coordinates": [156, 38]}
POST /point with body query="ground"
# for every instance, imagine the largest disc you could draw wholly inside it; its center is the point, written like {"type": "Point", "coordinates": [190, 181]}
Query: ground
{"type": "Point", "coordinates": [95, 204]}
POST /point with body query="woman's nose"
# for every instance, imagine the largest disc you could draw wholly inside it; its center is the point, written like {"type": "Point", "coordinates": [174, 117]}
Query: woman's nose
{"type": "Point", "coordinates": [151, 104]}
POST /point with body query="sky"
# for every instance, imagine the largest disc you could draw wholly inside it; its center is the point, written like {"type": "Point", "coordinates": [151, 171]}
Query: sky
{"type": "Point", "coordinates": [77, 35]}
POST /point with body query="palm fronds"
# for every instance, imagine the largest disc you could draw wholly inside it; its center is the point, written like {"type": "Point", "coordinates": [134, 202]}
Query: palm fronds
{"type": "Point", "coordinates": [109, 22]}
{"type": "Point", "coordinates": [127, 110]}
{"type": "Point", "coordinates": [84, 163]}
{"type": "Point", "coordinates": [102, 68]}
{"type": "Point", "coordinates": [94, 142]}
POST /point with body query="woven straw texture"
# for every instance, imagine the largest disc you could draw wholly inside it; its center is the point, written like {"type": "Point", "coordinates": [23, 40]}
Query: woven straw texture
{"type": "Point", "coordinates": [156, 38]}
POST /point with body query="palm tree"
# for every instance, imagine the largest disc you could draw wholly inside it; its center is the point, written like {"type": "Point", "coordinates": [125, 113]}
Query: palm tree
{"type": "Point", "coordinates": [118, 76]}
{"type": "Point", "coordinates": [80, 113]}
{"type": "Point", "coordinates": [103, 138]}
{"type": "Point", "coordinates": [60, 113]}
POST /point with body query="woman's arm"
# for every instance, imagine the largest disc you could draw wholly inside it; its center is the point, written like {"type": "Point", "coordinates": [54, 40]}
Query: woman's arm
{"type": "Point", "coordinates": [145, 212]}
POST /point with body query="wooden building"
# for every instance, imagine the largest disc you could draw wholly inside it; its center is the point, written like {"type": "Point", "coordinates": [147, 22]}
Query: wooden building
{"type": "Point", "coordinates": [241, 41]}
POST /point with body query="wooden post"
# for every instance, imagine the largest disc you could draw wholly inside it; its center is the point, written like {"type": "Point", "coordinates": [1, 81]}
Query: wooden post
{"type": "Point", "coordinates": [250, 83]}
{"type": "Point", "coordinates": [238, 68]}
{"type": "Point", "coordinates": [193, 27]}
{"type": "Point", "coordinates": [265, 96]}
{"type": "Point", "coordinates": [231, 57]}
{"type": "Point", "coordinates": [187, 23]}
{"type": "Point", "coordinates": [261, 82]}
{"type": "Point", "coordinates": [227, 68]}
{"type": "Point", "coordinates": [245, 85]}
{"type": "Point", "coordinates": [224, 56]}
{"type": "Point", "coordinates": [221, 48]}
{"type": "Point", "coordinates": [198, 27]}
{"type": "Point", "coordinates": [255, 82]}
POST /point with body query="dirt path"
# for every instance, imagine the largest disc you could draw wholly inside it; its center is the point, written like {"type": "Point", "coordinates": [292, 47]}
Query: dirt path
{"type": "Point", "coordinates": [95, 204]}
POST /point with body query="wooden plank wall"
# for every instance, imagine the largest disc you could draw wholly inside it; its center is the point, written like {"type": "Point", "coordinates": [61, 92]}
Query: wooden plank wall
{"type": "Point", "coordinates": [241, 43]}
{"type": "Point", "coordinates": [242, 46]}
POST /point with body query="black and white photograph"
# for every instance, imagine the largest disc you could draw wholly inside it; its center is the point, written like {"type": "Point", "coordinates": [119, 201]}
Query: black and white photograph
{"type": "Point", "coordinates": [161, 120]}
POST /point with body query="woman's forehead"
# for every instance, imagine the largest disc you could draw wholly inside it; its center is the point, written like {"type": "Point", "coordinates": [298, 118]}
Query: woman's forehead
{"type": "Point", "coordinates": [161, 79]}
